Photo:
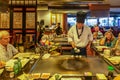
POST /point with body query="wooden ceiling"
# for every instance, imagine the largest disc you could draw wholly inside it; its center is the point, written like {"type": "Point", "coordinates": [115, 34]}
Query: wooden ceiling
{"type": "Point", "coordinates": [64, 4]}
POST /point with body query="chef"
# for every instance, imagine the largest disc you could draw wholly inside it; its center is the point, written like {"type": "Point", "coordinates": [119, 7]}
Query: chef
{"type": "Point", "coordinates": [80, 35]}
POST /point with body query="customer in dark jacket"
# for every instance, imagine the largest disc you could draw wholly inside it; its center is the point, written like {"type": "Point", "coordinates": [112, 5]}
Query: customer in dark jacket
{"type": "Point", "coordinates": [58, 29]}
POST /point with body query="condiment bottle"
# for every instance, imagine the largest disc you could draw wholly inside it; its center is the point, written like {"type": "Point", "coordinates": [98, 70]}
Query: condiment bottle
{"type": "Point", "coordinates": [110, 73]}
{"type": "Point", "coordinates": [16, 68]}
{"type": "Point", "coordinates": [19, 65]}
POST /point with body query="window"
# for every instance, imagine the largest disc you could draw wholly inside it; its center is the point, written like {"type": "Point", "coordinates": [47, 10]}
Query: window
{"type": "Point", "coordinates": [91, 21]}
{"type": "Point", "coordinates": [104, 21]}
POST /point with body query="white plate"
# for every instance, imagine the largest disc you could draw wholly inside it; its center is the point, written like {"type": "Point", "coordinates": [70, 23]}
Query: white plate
{"type": "Point", "coordinates": [1, 71]}
{"type": "Point", "coordinates": [71, 79]}
{"type": "Point", "coordinates": [46, 56]}
{"type": "Point", "coordinates": [9, 65]}
{"type": "Point", "coordinates": [35, 75]}
{"type": "Point", "coordinates": [45, 75]}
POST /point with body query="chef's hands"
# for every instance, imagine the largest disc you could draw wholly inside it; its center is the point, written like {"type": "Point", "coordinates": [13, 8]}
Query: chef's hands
{"type": "Point", "coordinates": [74, 47]}
{"type": "Point", "coordinates": [76, 50]}
{"type": "Point", "coordinates": [2, 64]}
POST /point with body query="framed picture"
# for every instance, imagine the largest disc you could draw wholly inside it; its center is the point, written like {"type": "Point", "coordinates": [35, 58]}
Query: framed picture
{"type": "Point", "coordinates": [30, 20]}
{"type": "Point", "coordinates": [5, 20]}
{"type": "Point", "coordinates": [17, 20]}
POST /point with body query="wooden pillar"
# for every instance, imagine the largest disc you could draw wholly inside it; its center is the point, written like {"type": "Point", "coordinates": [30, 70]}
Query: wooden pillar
{"type": "Point", "coordinates": [24, 25]}
{"type": "Point", "coordinates": [11, 25]}
{"type": "Point", "coordinates": [11, 20]}
{"type": "Point", "coordinates": [65, 23]}
{"type": "Point", "coordinates": [36, 23]}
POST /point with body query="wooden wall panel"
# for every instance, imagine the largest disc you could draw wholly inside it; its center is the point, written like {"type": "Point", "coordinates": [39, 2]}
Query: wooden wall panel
{"type": "Point", "coordinates": [99, 10]}
{"type": "Point", "coordinates": [100, 13]}
{"type": "Point", "coordinates": [99, 6]}
{"type": "Point", "coordinates": [65, 23]}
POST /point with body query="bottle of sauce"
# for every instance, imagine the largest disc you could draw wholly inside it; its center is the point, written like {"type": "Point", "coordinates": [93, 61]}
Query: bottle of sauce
{"type": "Point", "coordinates": [19, 65]}
{"type": "Point", "coordinates": [110, 73]}
{"type": "Point", "coordinates": [16, 68]}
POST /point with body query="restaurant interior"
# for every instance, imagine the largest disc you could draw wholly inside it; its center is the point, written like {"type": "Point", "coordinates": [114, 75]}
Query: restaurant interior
{"type": "Point", "coordinates": [46, 55]}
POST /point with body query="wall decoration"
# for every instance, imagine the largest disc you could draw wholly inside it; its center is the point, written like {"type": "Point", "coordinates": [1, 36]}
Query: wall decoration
{"type": "Point", "coordinates": [30, 20]}
{"type": "Point", "coordinates": [4, 20]}
{"type": "Point", "coordinates": [17, 20]}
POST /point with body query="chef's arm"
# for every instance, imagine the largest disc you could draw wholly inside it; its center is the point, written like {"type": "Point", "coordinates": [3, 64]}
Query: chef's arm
{"type": "Point", "coordinates": [90, 42]}
{"type": "Point", "coordinates": [72, 44]}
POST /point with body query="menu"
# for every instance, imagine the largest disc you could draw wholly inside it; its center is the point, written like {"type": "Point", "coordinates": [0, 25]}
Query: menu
{"type": "Point", "coordinates": [4, 20]}
{"type": "Point", "coordinates": [30, 20]}
{"type": "Point", "coordinates": [17, 20]}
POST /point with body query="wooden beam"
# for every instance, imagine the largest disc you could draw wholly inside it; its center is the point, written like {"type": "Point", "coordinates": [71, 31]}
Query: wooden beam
{"type": "Point", "coordinates": [99, 6]}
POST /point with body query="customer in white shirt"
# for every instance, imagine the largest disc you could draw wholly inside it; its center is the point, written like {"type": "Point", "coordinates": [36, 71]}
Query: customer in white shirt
{"type": "Point", "coordinates": [7, 50]}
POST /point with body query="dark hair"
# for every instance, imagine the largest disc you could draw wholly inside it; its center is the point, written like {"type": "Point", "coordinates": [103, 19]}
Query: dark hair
{"type": "Point", "coordinates": [46, 26]}
{"type": "Point", "coordinates": [58, 23]}
{"type": "Point", "coordinates": [81, 17]}
{"type": "Point", "coordinates": [42, 22]}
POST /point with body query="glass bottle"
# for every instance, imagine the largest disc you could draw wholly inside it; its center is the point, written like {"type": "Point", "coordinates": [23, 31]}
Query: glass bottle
{"type": "Point", "coordinates": [16, 68]}
{"type": "Point", "coordinates": [19, 65]}
{"type": "Point", "coordinates": [57, 77]}
{"type": "Point", "coordinates": [110, 73]}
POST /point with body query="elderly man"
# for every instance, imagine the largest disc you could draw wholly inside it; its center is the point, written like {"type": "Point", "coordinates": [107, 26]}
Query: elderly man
{"type": "Point", "coordinates": [100, 34]}
{"type": "Point", "coordinates": [7, 51]}
{"type": "Point", "coordinates": [79, 35]}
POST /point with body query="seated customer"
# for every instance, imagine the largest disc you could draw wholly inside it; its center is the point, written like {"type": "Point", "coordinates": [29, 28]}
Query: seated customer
{"type": "Point", "coordinates": [58, 30]}
{"type": "Point", "coordinates": [6, 49]}
{"type": "Point", "coordinates": [108, 40]}
{"type": "Point", "coordinates": [95, 34]}
{"type": "Point", "coordinates": [97, 30]}
{"type": "Point", "coordinates": [116, 49]}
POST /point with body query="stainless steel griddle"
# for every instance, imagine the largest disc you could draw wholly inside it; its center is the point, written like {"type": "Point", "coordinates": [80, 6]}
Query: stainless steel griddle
{"type": "Point", "coordinates": [55, 65]}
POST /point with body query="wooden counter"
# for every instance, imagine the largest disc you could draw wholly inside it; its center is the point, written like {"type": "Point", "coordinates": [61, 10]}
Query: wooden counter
{"type": "Point", "coordinates": [110, 60]}
{"type": "Point", "coordinates": [51, 65]}
{"type": "Point", "coordinates": [26, 67]}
